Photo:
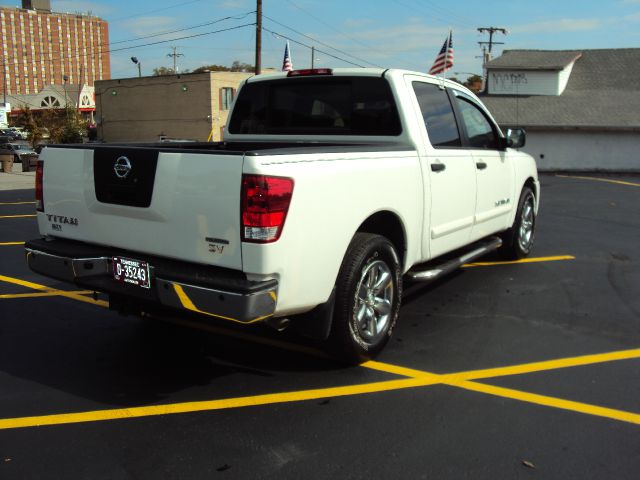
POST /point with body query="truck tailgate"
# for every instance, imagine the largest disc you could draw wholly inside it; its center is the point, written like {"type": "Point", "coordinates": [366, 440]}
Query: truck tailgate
{"type": "Point", "coordinates": [183, 205]}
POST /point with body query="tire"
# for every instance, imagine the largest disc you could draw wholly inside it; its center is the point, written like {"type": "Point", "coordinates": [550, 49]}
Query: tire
{"type": "Point", "coordinates": [368, 296]}
{"type": "Point", "coordinates": [518, 240]}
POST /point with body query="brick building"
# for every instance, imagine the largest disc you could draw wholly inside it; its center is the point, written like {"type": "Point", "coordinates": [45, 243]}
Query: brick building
{"type": "Point", "coordinates": [41, 47]}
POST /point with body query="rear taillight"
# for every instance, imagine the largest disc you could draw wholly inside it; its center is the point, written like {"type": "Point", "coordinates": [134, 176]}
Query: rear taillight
{"type": "Point", "coordinates": [39, 191]}
{"type": "Point", "coordinates": [265, 202]}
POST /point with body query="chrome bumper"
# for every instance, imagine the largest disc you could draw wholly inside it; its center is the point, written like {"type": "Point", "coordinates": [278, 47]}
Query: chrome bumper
{"type": "Point", "coordinates": [96, 273]}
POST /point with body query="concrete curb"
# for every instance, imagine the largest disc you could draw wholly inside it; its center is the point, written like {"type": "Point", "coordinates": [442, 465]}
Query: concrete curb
{"type": "Point", "coordinates": [17, 180]}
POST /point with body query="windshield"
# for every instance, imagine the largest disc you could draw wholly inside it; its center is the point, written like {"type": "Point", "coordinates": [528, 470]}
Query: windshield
{"type": "Point", "coordinates": [317, 106]}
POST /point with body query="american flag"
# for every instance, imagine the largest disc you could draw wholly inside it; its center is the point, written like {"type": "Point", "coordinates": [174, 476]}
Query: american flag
{"type": "Point", "coordinates": [444, 60]}
{"type": "Point", "coordinates": [287, 66]}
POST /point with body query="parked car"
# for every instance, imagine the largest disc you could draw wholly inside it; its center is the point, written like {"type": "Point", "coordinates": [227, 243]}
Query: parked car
{"type": "Point", "coordinates": [11, 134]}
{"type": "Point", "coordinates": [44, 133]}
{"type": "Point", "coordinates": [23, 154]}
{"type": "Point", "coordinates": [20, 131]}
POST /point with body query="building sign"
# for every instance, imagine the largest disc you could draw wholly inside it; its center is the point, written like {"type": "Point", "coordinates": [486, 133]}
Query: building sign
{"type": "Point", "coordinates": [5, 108]}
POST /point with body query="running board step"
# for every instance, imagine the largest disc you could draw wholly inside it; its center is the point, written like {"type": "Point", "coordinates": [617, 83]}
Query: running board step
{"type": "Point", "coordinates": [436, 271]}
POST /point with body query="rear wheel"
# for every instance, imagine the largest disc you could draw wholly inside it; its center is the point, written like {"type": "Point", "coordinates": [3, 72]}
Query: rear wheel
{"type": "Point", "coordinates": [368, 294]}
{"type": "Point", "coordinates": [518, 240]}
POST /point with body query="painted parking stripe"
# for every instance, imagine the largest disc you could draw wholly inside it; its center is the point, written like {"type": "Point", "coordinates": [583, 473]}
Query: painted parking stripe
{"type": "Point", "coordinates": [17, 203]}
{"type": "Point", "coordinates": [462, 380]}
{"type": "Point", "coordinates": [548, 365]}
{"type": "Point", "coordinates": [557, 258]}
{"type": "Point", "coordinates": [417, 378]}
{"type": "Point", "coordinates": [606, 180]}
{"type": "Point", "coordinates": [7, 244]}
{"type": "Point", "coordinates": [209, 405]}
{"type": "Point", "coordinates": [546, 401]}
{"type": "Point", "coordinates": [62, 293]}
{"type": "Point", "coordinates": [54, 293]}
{"type": "Point", "coordinates": [16, 216]}
{"type": "Point", "coordinates": [414, 378]}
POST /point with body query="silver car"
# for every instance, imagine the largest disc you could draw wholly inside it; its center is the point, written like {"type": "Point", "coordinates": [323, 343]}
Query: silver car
{"type": "Point", "coordinates": [23, 154]}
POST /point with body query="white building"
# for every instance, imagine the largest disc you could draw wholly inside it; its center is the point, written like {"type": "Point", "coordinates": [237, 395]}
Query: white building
{"type": "Point", "coordinates": [57, 97]}
{"type": "Point", "coordinates": [580, 108]}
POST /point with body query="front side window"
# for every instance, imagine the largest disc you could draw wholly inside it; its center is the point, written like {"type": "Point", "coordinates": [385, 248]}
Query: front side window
{"type": "Point", "coordinates": [438, 115]}
{"type": "Point", "coordinates": [480, 130]}
{"type": "Point", "coordinates": [317, 106]}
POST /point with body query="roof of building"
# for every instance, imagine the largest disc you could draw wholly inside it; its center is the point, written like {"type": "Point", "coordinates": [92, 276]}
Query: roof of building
{"type": "Point", "coordinates": [603, 92]}
{"type": "Point", "coordinates": [534, 60]}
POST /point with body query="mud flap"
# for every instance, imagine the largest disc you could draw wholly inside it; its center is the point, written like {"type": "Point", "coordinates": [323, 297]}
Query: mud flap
{"type": "Point", "coordinates": [316, 324]}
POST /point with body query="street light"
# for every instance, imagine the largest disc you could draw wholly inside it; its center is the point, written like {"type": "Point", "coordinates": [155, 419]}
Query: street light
{"type": "Point", "coordinates": [137, 62]}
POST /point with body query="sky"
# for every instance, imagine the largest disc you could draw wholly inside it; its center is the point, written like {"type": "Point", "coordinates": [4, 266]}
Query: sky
{"type": "Point", "coordinates": [383, 33]}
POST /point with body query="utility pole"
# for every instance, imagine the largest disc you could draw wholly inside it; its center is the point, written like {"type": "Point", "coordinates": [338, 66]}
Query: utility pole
{"type": "Point", "coordinates": [258, 37]}
{"type": "Point", "coordinates": [491, 31]}
{"type": "Point", "coordinates": [313, 54]}
{"type": "Point", "coordinates": [175, 58]}
{"type": "Point", "coordinates": [486, 50]}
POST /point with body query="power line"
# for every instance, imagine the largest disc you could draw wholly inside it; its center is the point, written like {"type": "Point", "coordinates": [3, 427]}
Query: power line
{"type": "Point", "coordinates": [154, 11]}
{"type": "Point", "coordinates": [100, 52]}
{"type": "Point", "coordinates": [332, 27]}
{"type": "Point", "coordinates": [433, 12]}
{"type": "Point", "coordinates": [169, 32]}
{"type": "Point", "coordinates": [309, 47]}
{"type": "Point", "coordinates": [321, 43]}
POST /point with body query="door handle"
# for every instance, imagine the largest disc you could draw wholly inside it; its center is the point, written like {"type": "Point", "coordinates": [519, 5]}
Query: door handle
{"type": "Point", "coordinates": [438, 167]}
{"type": "Point", "coordinates": [481, 165]}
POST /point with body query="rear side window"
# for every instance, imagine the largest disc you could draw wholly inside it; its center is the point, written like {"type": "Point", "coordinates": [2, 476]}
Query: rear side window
{"type": "Point", "coordinates": [317, 106]}
{"type": "Point", "coordinates": [438, 115]}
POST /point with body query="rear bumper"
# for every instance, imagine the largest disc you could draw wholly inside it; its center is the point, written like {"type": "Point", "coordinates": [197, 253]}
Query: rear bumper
{"type": "Point", "coordinates": [202, 289]}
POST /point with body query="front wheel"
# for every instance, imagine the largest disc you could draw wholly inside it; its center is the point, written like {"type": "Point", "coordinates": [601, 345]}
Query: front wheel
{"type": "Point", "coordinates": [518, 240]}
{"type": "Point", "coordinates": [368, 295]}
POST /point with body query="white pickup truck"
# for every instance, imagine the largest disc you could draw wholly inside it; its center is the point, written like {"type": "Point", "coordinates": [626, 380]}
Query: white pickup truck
{"type": "Point", "coordinates": [330, 187]}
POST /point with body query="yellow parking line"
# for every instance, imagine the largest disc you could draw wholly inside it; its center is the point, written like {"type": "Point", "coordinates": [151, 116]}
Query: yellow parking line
{"type": "Point", "coordinates": [417, 378]}
{"type": "Point", "coordinates": [6, 244]}
{"type": "Point", "coordinates": [553, 402]}
{"type": "Point", "coordinates": [209, 405]}
{"type": "Point", "coordinates": [413, 378]}
{"type": "Point", "coordinates": [17, 203]}
{"type": "Point", "coordinates": [462, 380]}
{"type": "Point", "coordinates": [619, 182]}
{"type": "Point", "coordinates": [16, 216]}
{"type": "Point", "coordinates": [546, 365]}
{"type": "Point", "coordinates": [62, 293]}
{"type": "Point", "coordinates": [523, 260]}
{"type": "Point", "coordinates": [53, 293]}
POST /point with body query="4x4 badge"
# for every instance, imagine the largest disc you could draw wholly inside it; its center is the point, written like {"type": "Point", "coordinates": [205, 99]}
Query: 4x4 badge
{"type": "Point", "coordinates": [122, 167]}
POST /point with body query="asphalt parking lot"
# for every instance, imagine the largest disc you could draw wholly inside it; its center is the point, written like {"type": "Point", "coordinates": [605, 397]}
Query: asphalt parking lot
{"type": "Point", "coordinates": [516, 370]}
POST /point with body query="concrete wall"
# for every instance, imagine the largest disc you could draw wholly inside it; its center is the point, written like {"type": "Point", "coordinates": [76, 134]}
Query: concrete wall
{"type": "Point", "coordinates": [584, 150]}
{"type": "Point", "coordinates": [177, 106]}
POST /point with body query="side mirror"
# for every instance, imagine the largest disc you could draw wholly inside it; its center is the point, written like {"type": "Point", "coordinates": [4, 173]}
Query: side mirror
{"type": "Point", "coordinates": [516, 137]}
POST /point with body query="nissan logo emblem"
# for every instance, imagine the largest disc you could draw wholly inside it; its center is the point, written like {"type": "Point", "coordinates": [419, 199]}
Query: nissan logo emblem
{"type": "Point", "coordinates": [122, 167]}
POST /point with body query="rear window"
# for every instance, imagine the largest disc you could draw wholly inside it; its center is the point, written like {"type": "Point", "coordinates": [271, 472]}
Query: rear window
{"type": "Point", "coordinates": [316, 106]}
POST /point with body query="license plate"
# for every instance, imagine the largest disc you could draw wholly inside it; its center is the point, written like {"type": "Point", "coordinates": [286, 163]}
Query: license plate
{"type": "Point", "coordinates": [128, 270]}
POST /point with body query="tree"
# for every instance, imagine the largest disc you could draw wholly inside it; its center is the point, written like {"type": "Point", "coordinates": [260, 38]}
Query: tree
{"type": "Point", "coordinates": [163, 71]}
{"type": "Point", "coordinates": [26, 118]}
{"type": "Point", "coordinates": [211, 68]}
{"type": "Point", "coordinates": [474, 83]}
{"type": "Point", "coordinates": [237, 66]}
